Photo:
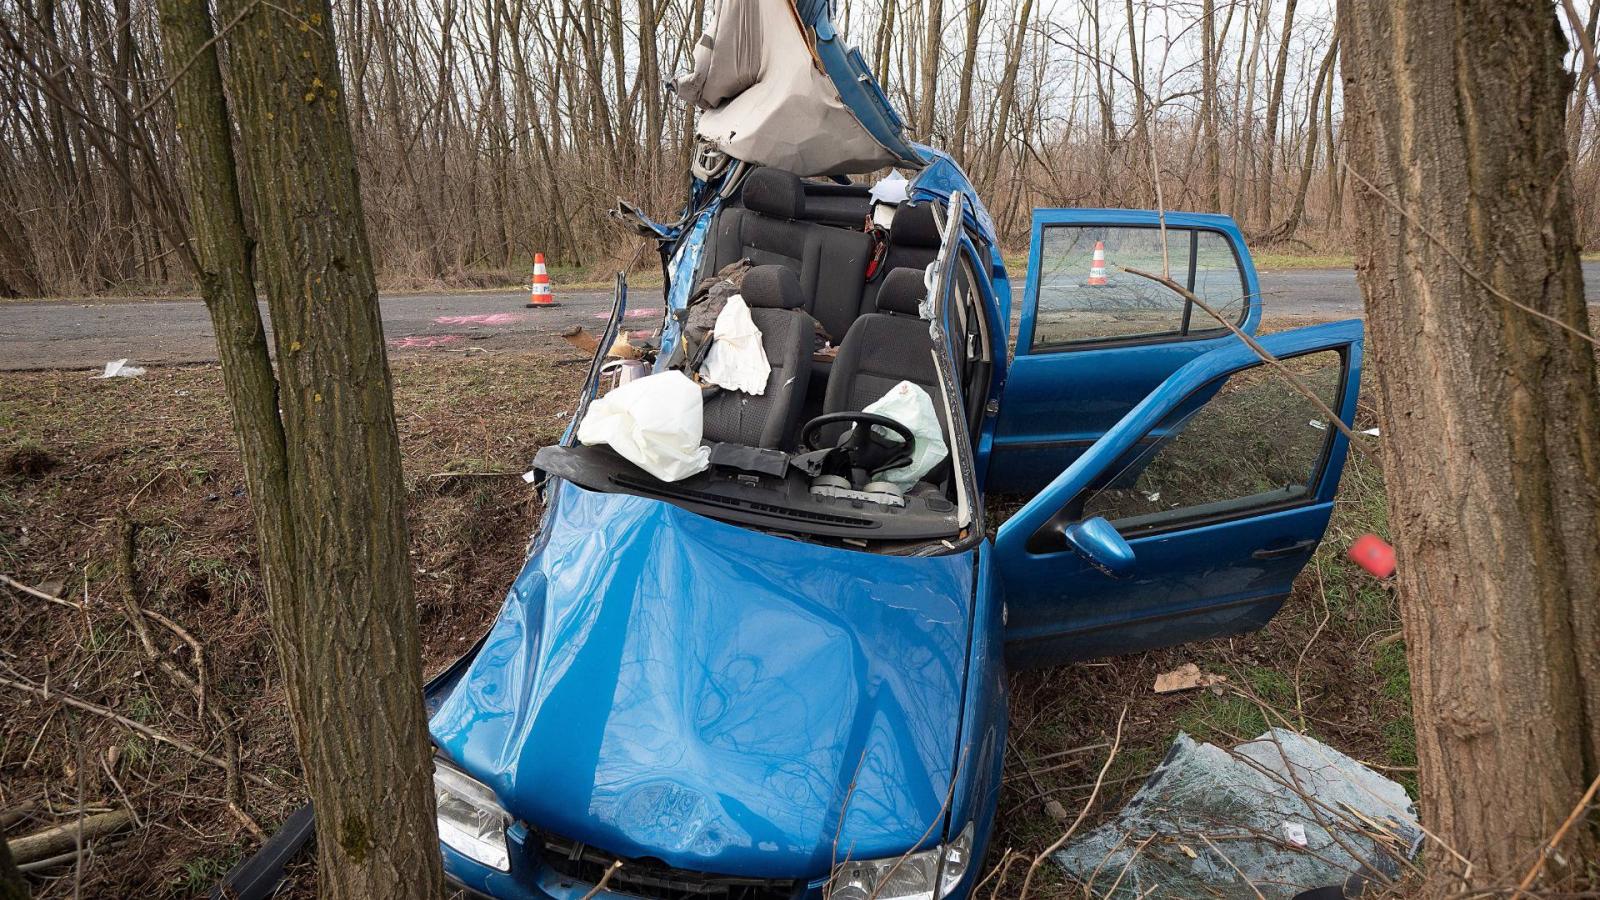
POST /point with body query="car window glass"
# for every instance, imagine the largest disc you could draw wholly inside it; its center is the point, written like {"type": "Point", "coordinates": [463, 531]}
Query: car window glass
{"type": "Point", "coordinates": [1242, 443]}
{"type": "Point", "coordinates": [1079, 301]}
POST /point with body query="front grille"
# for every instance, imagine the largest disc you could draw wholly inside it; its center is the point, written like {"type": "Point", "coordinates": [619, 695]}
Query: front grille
{"type": "Point", "coordinates": [653, 879]}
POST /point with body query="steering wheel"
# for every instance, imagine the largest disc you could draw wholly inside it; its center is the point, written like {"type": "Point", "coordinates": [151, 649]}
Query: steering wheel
{"type": "Point", "coordinates": [861, 450]}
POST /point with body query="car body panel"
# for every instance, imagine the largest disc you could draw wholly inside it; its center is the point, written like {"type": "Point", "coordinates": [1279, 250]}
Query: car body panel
{"type": "Point", "coordinates": [662, 684]}
{"type": "Point", "coordinates": [1057, 401]}
{"type": "Point", "coordinates": [1190, 583]}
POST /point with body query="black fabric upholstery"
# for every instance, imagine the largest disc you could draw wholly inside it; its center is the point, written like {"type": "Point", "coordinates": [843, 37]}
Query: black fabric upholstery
{"type": "Point", "coordinates": [831, 262]}
{"type": "Point", "coordinates": [903, 292]}
{"type": "Point", "coordinates": [774, 192]}
{"type": "Point", "coordinates": [773, 287]}
{"type": "Point", "coordinates": [915, 226]}
{"type": "Point", "coordinates": [770, 419]}
{"type": "Point", "coordinates": [881, 351]}
{"type": "Point", "coordinates": [847, 205]}
{"type": "Point", "coordinates": [913, 244]}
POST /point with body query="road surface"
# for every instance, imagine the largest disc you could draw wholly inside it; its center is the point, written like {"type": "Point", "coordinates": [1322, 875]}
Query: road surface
{"type": "Point", "coordinates": [85, 335]}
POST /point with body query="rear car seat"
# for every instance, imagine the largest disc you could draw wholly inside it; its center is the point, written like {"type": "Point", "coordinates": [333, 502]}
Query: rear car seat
{"type": "Point", "coordinates": [770, 230]}
{"type": "Point", "coordinates": [913, 243]}
{"type": "Point", "coordinates": [773, 294]}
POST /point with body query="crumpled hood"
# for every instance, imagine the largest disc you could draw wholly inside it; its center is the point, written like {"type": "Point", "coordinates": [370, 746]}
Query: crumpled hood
{"type": "Point", "coordinates": [665, 685]}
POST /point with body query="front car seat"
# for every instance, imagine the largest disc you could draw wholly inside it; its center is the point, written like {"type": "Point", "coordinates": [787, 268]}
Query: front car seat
{"type": "Point", "coordinates": [773, 294]}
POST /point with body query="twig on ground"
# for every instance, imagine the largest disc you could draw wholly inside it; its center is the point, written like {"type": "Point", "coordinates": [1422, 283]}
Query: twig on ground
{"type": "Point", "coordinates": [145, 730]}
{"type": "Point", "coordinates": [17, 585]}
{"type": "Point", "coordinates": [1217, 850]}
{"type": "Point", "coordinates": [1116, 744]}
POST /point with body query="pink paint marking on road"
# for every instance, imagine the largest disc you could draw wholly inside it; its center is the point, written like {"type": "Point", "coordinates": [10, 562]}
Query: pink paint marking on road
{"type": "Point", "coordinates": [631, 314]}
{"type": "Point", "coordinates": [424, 341]}
{"type": "Point", "coordinates": [486, 319]}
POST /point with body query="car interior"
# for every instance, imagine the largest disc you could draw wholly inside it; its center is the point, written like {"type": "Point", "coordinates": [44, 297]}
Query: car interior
{"type": "Point", "coordinates": [837, 302]}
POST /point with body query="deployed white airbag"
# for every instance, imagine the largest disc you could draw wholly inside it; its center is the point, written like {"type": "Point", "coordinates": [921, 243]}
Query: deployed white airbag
{"type": "Point", "coordinates": [736, 360]}
{"type": "Point", "coordinates": [911, 406]}
{"type": "Point", "coordinates": [654, 422]}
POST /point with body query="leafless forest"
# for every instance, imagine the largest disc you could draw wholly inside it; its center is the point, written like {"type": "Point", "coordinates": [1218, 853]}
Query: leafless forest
{"type": "Point", "coordinates": [488, 129]}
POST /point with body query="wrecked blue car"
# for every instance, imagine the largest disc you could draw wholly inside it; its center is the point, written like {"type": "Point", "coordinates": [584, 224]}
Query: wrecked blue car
{"type": "Point", "coordinates": [784, 675]}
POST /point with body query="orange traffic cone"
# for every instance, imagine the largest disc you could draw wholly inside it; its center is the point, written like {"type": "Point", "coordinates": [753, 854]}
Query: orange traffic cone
{"type": "Point", "coordinates": [540, 294]}
{"type": "Point", "coordinates": [1097, 268]}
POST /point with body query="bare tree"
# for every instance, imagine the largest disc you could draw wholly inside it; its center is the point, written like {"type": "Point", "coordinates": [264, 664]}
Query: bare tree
{"type": "Point", "coordinates": [1488, 399]}
{"type": "Point", "coordinates": [319, 441]}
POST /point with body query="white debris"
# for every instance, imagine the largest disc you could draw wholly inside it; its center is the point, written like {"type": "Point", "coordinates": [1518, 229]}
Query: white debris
{"type": "Point", "coordinates": [119, 368]}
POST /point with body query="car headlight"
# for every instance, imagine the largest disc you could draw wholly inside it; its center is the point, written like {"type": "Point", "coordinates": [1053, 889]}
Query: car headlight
{"type": "Point", "coordinates": [928, 875]}
{"type": "Point", "coordinates": [471, 821]}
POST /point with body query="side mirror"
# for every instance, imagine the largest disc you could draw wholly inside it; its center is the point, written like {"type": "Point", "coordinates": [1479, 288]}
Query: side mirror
{"type": "Point", "coordinates": [1099, 545]}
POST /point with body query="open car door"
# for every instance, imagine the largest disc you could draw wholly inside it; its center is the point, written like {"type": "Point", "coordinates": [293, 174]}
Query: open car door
{"type": "Point", "coordinates": [1190, 518]}
{"type": "Point", "coordinates": [1094, 340]}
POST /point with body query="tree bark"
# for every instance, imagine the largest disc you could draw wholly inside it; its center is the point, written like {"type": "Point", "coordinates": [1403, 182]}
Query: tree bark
{"type": "Point", "coordinates": [930, 67]}
{"type": "Point", "coordinates": [969, 63]}
{"type": "Point", "coordinates": [1208, 106]}
{"type": "Point", "coordinates": [320, 447]}
{"type": "Point", "coordinates": [1274, 106]}
{"type": "Point", "coordinates": [12, 887]}
{"type": "Point", "coordinates": [1490, 419]}
{"type": "Point", "coordinates": [1323, 84]}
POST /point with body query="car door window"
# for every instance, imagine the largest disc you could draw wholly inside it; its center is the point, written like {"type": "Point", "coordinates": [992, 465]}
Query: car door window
{"type": "Point", "coordinates": [1081, 302]}
{"type": "Point", "coordinates": [1241, 444]}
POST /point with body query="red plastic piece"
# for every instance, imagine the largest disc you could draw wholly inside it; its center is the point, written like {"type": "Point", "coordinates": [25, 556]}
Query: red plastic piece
{"type": "Point", "coordinates": [1374, 554]}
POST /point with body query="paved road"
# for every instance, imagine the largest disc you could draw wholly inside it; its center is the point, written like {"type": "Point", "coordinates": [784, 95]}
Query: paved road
{"type": "Point", "coordinates": [79, 335]}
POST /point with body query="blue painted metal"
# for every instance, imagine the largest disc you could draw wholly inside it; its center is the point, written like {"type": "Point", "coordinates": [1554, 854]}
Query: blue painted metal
{"type": "Point", "coordinates": [1059, 401]}
{"type": "Point", "coordinates": [682, 264]}
{"type": "Point", "coordinates": [858, 89]}
{"type": "Point", "coordinates": [1187, 584]}
{"type": "Point", "coordinates": [1099, 545]}
{"type": "Point", "coordinates": [942, 177]}
{"type": "Point", "coordinates": [662, 684]}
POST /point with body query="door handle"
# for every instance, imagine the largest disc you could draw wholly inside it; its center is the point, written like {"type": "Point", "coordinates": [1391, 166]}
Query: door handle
{"type": "Point", "coordinates": [1280, 552]}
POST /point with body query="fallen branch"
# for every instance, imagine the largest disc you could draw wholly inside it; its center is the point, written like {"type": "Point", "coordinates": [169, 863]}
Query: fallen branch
{"type": "Point", "coordinates": [67, 837]}
{"type": "Point", "coordinates": [17, 585]}
{"type": "Point", "coordinates": [142, 729]}
{"type": "Point", "coordinates": [1577, 813]}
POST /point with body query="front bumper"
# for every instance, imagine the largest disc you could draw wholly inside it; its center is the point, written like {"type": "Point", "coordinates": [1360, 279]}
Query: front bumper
{"type": "Point", "coordinates": [531, 878]}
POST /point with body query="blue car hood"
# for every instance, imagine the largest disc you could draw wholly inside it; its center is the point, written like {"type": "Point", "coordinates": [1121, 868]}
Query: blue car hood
{"type": "Point", "coordinates": [664, 685]}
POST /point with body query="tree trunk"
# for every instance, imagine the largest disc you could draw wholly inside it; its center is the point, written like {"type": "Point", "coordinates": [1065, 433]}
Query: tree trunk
{"type": "Point", "coordinates": [1274, 106]}
{"type": "Point", "coordinates": [969, 63]}
{"type": "Point", "coordinates": [320, 447]}
{"type": "Point", "coordinates": [930, 67]}
{"type": "Point", "coordinates": [1491, 426]}
{"type": "Point", "coordinates": [1208, 106]}
{"type": "Point", "coordinates": [1323, 84]}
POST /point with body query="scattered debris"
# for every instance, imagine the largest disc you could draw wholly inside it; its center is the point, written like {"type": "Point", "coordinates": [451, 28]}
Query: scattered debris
{"type": "Point", "coordinates": [119, 368]}
{"type": "Point", "coordinates": [1374, 554]}
{"type": "Point", "coordinates": [1268, 819]}
{"type": "Point", "coordinates": [580, 337]}
{"type": "Point", "coordinates": [1185, 678]}
{"type": "Point", "coordinates": [60, 843]}
{"type": "Point", "coordinates": [424, 341]}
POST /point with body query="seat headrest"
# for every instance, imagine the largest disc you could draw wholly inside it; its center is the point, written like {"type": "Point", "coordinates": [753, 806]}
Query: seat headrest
{"type": "Point", "coordinates": [902, 292]}
{"type": "Point", "coordinates": [772, 287]}
{"type": "Point", "coordinates": [774, 192]}
{"type": "Point", "coordinates": [914, 226]}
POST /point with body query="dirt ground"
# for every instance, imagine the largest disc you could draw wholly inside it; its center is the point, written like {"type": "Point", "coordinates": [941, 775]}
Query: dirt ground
{"type": "Point", "coordinates": [80, 456]}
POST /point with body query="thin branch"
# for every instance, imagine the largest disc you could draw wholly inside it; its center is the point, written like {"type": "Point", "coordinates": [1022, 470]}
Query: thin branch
{"type": "Point", "coordinates": [1294, 380]}
{"type": "Point", "coordinates": [1116, 744]}
{"type": "Point", "coordinates": [1461, 263]}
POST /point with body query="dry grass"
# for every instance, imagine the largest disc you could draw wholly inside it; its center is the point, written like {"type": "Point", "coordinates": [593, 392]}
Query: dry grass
{"type": "Point", "coordinates": [76, 453]}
